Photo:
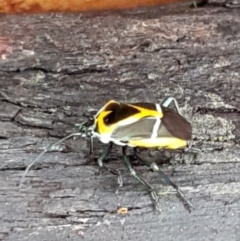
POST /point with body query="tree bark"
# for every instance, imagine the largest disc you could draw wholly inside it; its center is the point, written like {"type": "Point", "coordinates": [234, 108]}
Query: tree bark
{"type": "Point", "coordinates": [56, 68]}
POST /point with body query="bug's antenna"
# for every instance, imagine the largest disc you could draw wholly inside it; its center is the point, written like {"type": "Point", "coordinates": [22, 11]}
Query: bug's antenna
{"type": "Point", "coordinates": [81, 132]}
{"type": "Point", "coordinates": [49, 148]}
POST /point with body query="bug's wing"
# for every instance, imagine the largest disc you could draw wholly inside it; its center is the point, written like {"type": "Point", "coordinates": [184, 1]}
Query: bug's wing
{"type": "Point", "coordinates": [138, 130]}
{"type": "Point", "coordinates": [176, 124]}
{"type": "Point", "coordinates": [171, 125]}
{"type": "Point", "coordinates": [142, 129]}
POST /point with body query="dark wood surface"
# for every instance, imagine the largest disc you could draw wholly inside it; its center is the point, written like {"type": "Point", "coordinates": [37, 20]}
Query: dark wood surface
{"type": "Point", "coordinates": [54, 68]}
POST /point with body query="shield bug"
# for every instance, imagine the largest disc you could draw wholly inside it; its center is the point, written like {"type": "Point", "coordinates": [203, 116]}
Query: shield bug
{"type": "Point", "coordinates": [135, 125]}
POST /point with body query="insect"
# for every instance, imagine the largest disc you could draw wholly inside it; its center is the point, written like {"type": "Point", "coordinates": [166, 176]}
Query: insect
{"type": "Point", "coordinates": [135, 125]}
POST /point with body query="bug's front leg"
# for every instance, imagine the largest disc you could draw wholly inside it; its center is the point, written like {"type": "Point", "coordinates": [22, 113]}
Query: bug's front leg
{"type": "Point", "coordinates": [100, 160]}
{"type": "Point", "coordinates": [90, 157]}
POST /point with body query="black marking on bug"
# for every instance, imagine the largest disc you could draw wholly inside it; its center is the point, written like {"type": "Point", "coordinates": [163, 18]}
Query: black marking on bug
{"type": "Point", "coordinates": [118, 112]}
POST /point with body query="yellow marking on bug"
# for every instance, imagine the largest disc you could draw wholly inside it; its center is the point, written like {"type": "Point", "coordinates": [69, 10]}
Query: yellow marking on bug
{"type": "Point", "coordinates": [161, 142]}
{"type": "Point", "coordinates": [108, 103]}
{"type": "Point", "coordinates": [146, 112]}
{"type": "Point", "coordinates": [108, 129]}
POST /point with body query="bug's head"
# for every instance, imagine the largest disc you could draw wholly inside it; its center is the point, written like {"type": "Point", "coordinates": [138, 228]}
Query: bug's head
{"type": "Point", "coordinates": [86, 127]}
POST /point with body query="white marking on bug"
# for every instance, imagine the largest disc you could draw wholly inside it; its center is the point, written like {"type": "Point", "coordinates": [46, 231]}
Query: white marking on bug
{"type": "Point", "coordinates": [155, 128]}
{"type": "Point", "coordinates": [106, 138]}
{"type": "Point", "coordinates": [158, 108]}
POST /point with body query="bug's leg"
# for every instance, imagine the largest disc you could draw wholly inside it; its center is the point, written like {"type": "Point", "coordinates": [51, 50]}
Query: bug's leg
{"type": "Point", "coordinates": [90, 155]}
{"type": "Point", "coordinates": [190, 149]}
{"type": "Point", "coordinates": [155, 168]}
{"type": "Point", "coordinates": [168, 101]}
{"type": "Point", "coordinates": [126, 161]}
{"type": "Point", "coordinates": [91, 146]}
{"type": "Point", "coordinates": [100, 160]}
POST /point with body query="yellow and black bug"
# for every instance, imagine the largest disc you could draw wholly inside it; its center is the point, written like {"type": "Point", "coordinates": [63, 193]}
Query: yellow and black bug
{"type": "Point", "coordinates": [135, 125]}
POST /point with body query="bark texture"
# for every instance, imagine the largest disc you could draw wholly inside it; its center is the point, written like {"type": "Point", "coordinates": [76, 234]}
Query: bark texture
{"type": "Point", "coordinates": [54, 68]}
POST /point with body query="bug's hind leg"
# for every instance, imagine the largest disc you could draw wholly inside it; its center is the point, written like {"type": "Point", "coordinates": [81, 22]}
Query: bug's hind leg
{"type": "Point", "coordinates": [168, 101]}
{"type": "Point", "coordinates": [100, 160]}
{"type": "Point", "coordinates": [126, 161]}
{"type": "Point", "coordinates": [155, 168]}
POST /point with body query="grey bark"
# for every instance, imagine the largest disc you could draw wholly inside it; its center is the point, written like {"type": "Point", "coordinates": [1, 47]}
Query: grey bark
{"type": "Point", "coordinates": [56, 67]}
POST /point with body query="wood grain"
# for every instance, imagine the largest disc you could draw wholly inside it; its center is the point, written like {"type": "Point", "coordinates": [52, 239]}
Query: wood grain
{"type": "Point", "coordinates": [58, 67]}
